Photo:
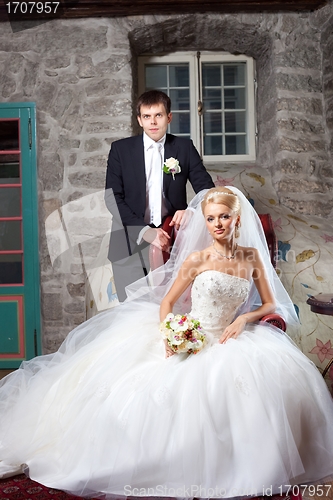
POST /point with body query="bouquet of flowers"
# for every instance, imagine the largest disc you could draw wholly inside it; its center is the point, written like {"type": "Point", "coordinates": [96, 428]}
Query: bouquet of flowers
{"type": "Point", "coordinates": [183, 333]}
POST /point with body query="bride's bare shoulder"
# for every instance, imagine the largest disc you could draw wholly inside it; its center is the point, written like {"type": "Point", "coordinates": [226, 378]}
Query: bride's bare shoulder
{"type": "Point", "coordinates": [249, 253]}
{"type": "Point", "coordinates": [196, 259]}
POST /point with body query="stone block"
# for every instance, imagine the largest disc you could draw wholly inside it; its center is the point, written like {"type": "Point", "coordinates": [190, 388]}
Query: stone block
{"type": "Point", "coordinates": [319, 17]}
{"type": "Point", "coordinates": [72, 159]}
{"type": "Point", "coordinates": [58, 38]}
{"type": "Point", "coordinates": [30, 78]}
{"type": "Point", "coordinates": [95, 162]}
{"type": "Point", "coordinates": [57, 62]}
{"type": "Point", "coordinates": [326, 170]}
{"type": "Point", "coordinates": [76, 289]}
{"type": "Point", "coordinates": [92, 144]}
{"type": "Point", "coordinates": [43, 132]}
{"type": "Point", "coordinates": [61, 102]}
{"type": "Point", "coordinates": [51, 171]}
{"type": "Point", "coordinates": [75, 307]}
{"type": "Point", "coordinates": [308, 106]}
{"type": "Point", "coordinates": [52, 306]}
{"type": "Point", "coordinates": [109, 127]}
{"type": "Point", "coordinates": [112, 65]}
{"type": "Point", "coordinates": [90, 249]}
{"type": "Point", "coordinates": [92, 180]}
{"type": "Point", "coordinates": [107, 107]}
{"type": "Point", "coordinates": [73, 121]}
{"type": "Point", "coordinates": [328, 82]}
{"type": "Point", "coordinates": [50, 73]}
{"type": "Point", "coordinates": [291, 166]}
{"type": "Point", "coordinates": [50, 206]}
{"type": "Point", "coordinates": [66, 142]}
{"type": "Point", "coordinates": [53, 338]}
{"type": "Point", "coordinates": [302, 185]}
{"type": "Point", "coordinates": [45, 93]}
{"type": "Point", "coordinates": [108, 87]}
{"type": "Point", "coordinates": [76, 195]}
{"type": "Point", "coordinates": [16, 63]}
{"type": "Point", "coordinates": [289, 23]}
{"type": "Point", "coordinates": [309, 57]}
{"type": "Point", "coordinates": [7, 85]}
{"type": "Point", "coordinates": [70, 79]}
{"type": "Point", "coordinates": [295, 124]}
{"type": "Point", "coordinates": [86, 69]}
{"type": "Point", "coordinates": [307, 205]}
{"type": "Point", "coordinates": [301, 144]}
{"type": "Point", "coordinates": [295, 83]}
{"type": "Point", "coordinates": [74, 320]}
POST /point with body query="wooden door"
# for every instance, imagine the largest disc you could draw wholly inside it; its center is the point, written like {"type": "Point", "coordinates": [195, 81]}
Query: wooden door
{"type": "Point", "coordinates": [19, 262]}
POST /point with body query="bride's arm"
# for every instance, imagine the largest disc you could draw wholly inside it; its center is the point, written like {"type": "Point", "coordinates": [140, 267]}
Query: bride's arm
{"type": "Point", "coordinates": [267, 301]}
{"type": "Point", "coordinates": [185, 276]}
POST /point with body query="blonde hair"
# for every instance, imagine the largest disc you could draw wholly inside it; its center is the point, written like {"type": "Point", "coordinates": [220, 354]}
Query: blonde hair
{"type": "Point", "coordinates": [224, 196]}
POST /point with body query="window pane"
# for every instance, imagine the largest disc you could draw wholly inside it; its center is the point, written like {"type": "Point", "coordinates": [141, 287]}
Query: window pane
{"type": "Point", "coordinates": [234, 98]}
{"type": "Point", "coordinates": [235, 145]}
{"type": "Point", "coordinates": [180, 123]}
{"type": "Point", "coordinates": [180, 99]}
{"type": "Point", "coordinates": [235, 121]}
{"type": "Point", "coordinates": [212, 123]}
{"type": "Point", "coordinates": [9, 134]}
{"type": "Point", "coordinates": [9, 169]}
{"type": "Point", "coordinates": [10, 235]}
{"type": "Point", "coordinates": [179, 76]}
{"type": "Point", "coordinates": [213, 145]}
{"type": "Point", "coordinates": [234, 74]}
{"type": "Point", "coordinates": [212, 99]}
{"type": "Point", "coordinates": [10, 269]}
{"type": "Point", "coordinates": [211, 75]}
{"type": "Point", "coordinates": [10, 202]}
{"type": "Point", "coordinates": [156, 77]}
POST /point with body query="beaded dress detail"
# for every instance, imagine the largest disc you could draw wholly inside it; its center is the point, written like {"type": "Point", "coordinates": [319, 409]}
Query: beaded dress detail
{"type": "Point", "coordinates": [216, 297]}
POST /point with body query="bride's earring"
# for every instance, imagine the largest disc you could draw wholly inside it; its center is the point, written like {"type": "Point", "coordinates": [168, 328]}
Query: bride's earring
{"type": "Point", "coordinates": [237, 230]}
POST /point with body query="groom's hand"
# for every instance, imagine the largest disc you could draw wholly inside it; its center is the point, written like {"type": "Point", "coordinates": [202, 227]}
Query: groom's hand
{"type": "Point", "coordinates": [158, 238]}
{"type": "Point", "coordinates": [177, 218]}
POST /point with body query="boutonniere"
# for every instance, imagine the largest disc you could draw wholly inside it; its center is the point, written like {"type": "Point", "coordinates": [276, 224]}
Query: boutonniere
{"type": "Point", "coordinates": [171, 166]}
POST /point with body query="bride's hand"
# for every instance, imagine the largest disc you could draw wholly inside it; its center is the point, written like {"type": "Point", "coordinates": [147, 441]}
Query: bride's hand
{"type": "Point", "coordinates": [234, 329]}
{"type": "Point", "coordinates": [168, 351]}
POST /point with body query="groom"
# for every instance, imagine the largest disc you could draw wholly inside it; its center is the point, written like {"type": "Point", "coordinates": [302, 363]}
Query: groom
{"type": "Point", "coordinates": [143, 195]}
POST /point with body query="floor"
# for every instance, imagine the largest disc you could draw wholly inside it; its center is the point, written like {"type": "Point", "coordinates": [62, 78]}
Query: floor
{"type": "Point", "coordinates": [3, 373]}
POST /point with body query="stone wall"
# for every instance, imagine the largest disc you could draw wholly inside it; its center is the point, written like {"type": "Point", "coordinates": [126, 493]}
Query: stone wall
{"type": "Point", "coordinates": [82, 76]}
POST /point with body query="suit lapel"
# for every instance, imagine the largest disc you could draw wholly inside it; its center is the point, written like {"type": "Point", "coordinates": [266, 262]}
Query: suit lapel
{"type": "Point", "coordinates": [170, 150]}
{"type": "Point", "coordinates": [139, 170]}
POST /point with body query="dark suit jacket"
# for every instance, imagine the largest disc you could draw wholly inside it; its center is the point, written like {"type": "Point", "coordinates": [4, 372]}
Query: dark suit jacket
{"type": "Point", "coordinates": [126, 176]}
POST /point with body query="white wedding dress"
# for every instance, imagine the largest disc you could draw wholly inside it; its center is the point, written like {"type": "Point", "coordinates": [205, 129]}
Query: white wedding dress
{"type": "Point", "coordinates": [109, 414]}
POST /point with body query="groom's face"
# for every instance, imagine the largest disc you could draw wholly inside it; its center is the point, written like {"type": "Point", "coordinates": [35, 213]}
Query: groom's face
{"type": "Point", "coordinates": [154, 120]}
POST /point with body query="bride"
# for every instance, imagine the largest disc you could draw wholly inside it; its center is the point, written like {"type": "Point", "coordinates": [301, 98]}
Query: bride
{"type": "Point", "coordinates": [115, 412]}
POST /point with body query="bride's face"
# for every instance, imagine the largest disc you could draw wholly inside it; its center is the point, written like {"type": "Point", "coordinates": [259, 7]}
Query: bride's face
{"type": "Point", "coordinates": [220, 221]}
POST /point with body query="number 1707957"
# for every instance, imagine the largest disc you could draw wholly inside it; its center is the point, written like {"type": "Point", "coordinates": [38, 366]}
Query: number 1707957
{"type": "Point", "coordinates": [319, 490]}
{"type": "Point", "coordinates": [32, 7]}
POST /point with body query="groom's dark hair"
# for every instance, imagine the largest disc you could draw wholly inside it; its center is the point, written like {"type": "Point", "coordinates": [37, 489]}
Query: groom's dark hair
{"type": "Point", "coordinates": [152, 97]}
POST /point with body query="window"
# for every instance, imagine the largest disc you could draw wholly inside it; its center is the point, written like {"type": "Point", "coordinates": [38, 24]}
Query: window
{"type": "Point", "coordinates": [212, 98]}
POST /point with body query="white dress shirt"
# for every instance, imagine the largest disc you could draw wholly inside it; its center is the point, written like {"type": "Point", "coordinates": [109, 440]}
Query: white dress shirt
{"type": "Point", "coordinates": [148, 144]}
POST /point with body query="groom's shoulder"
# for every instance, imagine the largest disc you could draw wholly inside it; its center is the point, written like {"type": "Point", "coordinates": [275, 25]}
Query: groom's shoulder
{"type": "Point", "coordinates": [174, 139]}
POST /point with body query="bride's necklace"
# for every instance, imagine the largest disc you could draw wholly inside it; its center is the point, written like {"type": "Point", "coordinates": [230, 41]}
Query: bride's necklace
{"type": "Point", "coordinates": [225, 256]}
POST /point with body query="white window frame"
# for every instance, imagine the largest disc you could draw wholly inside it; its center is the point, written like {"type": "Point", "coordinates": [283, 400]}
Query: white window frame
{"type": "Point", "coordinates": [195, 60]}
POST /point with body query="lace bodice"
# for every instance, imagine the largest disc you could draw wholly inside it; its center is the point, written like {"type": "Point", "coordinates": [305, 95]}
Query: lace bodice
{"type": "Point", "coordinates": [216, 296]}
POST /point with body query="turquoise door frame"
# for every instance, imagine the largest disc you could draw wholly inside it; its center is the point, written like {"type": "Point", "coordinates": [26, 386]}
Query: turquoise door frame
{"type": "Point", "coordinates": [20, 325]}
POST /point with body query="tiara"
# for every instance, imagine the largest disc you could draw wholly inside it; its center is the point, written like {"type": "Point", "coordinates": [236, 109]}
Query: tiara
{"type": "Point", "coordinates": [211, 195]}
